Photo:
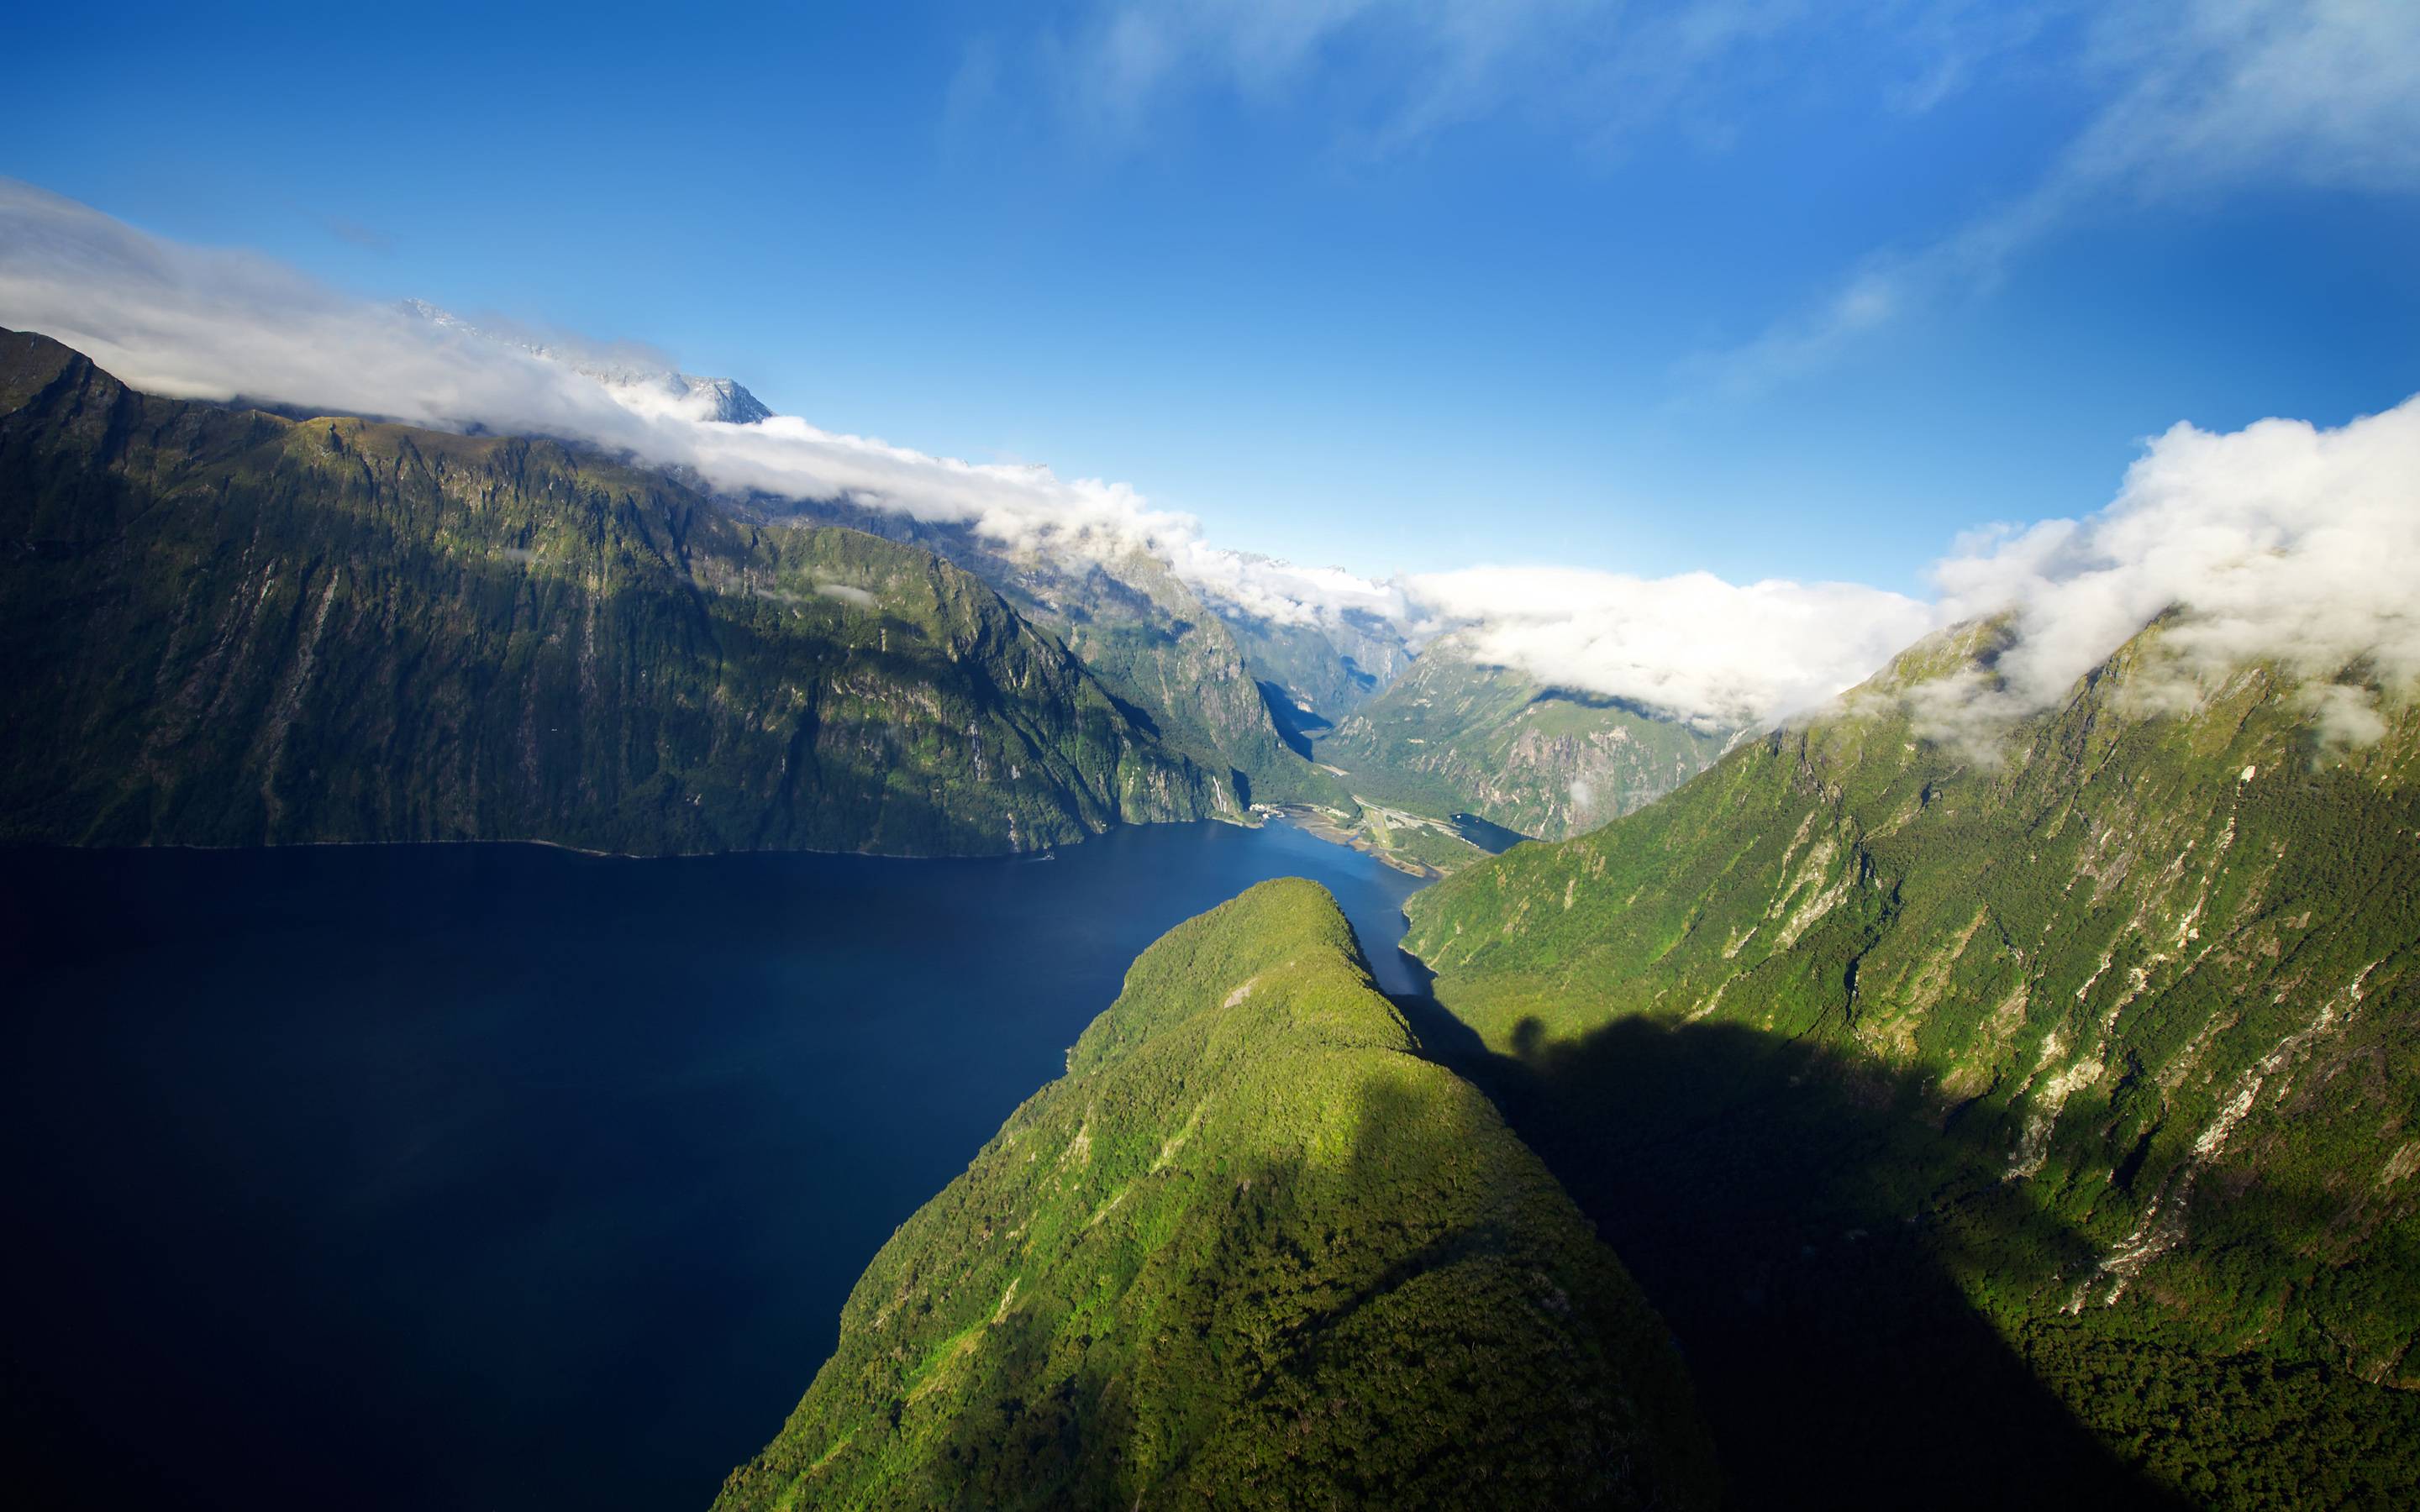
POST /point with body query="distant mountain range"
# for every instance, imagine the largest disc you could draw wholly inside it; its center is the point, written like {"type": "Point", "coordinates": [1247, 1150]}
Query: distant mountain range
{"type": "Point", "coordinates": [1457, 734]}
{"type": "Point", "coordinates": [2019, 1110]}
{"type": "Point", "coordinates": [1223, 708]}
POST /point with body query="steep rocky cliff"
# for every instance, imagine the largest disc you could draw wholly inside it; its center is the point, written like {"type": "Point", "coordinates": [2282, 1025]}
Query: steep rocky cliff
{"type": "Point", "coordinates": [231, 629]}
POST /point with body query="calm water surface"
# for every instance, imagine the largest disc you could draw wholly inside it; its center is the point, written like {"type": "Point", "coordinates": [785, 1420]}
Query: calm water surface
{"type": "Point", "coordinates": [499, 1178]}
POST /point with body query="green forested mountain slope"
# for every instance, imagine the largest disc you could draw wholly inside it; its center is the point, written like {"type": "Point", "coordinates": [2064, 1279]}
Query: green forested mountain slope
{"type": "Point", "coordinates": [2095, 1047]}
{"type": "Point", "coordinates": [1455, 735]}
{"type": "Point", "coordinates": [1251, 1251]}
{"type": "Point", "coordinates": [229, 628]}
{"type": "Point", "coordinates": [1152, 640]}
{"type": "Point", "coordinates": [1147, 636]}
{"type": "Point", "coordinates": [1326, 669]}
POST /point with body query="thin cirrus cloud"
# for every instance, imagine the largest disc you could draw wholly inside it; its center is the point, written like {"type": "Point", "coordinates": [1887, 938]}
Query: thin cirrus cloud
{"type": "Point", "coordinates": [2200, 97]}
{"type": "Point", "coordinates": [2281, 541]}
{"type": "Point", "coordinates": [1390, 74]}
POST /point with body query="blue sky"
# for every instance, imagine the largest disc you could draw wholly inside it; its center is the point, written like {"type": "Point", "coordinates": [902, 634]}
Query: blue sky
{"type": "Point", "coordinates": [1401, 286]}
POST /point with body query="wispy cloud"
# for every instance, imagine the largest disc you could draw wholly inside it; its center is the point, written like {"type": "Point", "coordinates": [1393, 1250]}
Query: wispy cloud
{"type": "Point", "coordinates": [369, 239]}
{"type": "Point", "coordinates": [1390, 74]}
{"type": "Point", "coordinates": [2281, 541]}
{"type": "Point", "coordinates": [2200, 97]}
{"type": "Point", "coordinates": [204, 323]}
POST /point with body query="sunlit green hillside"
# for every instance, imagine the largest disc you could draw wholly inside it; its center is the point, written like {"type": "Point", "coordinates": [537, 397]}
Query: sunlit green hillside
{"type": "Point", "coordinates": [1945, 1088]}
{"type": "Point", "coordinates": [1252, 1250]}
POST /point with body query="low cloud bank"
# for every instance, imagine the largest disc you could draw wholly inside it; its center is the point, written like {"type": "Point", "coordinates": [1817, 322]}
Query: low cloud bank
{"type": "Point", "coordinates": [2281, 541]}
{"type": "Point", "coordinates": [202, 323]}
{"type": "Point", "coordinates": [1693, 645]}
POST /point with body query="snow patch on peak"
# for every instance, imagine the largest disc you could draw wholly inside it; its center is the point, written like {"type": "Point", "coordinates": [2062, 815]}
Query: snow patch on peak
{"type": "Point", "coordinates": [657, 392]}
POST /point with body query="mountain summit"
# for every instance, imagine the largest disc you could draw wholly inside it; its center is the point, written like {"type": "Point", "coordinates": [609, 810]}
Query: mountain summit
{"type": "Point", "coordinates": [645, 388]}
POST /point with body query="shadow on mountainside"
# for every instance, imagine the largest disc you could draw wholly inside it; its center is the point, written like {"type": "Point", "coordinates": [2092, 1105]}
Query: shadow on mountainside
{"type": "Point", "coordinates": [1797, 1216]}
{"type": "Point", "coordinates": [1297, 727]}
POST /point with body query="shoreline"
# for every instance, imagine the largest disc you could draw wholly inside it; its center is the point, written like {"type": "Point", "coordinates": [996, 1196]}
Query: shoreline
{"type": "Point", "coordinates": [613, 856]}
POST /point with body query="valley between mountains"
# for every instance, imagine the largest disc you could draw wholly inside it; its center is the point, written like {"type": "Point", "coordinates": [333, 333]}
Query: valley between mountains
{"type": "Point", "coordinates": [1867, 1110]}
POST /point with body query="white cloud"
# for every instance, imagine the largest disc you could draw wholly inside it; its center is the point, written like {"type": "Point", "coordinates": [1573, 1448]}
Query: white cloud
{"type": "Point", "coordinates": [1268, 588]}
{"type": "Point", "coordinates": [201, 323]}
{"type": "Point", "coordinates": [1693, 644]}
{"type": "Point", "coordinates": [2280, 542]}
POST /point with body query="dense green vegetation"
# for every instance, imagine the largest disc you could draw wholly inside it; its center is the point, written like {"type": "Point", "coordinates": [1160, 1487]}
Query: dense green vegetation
{"type": "Point", "coordinates": [1174, 666]}
{"type": "Point", "coordinates": [1252, 1250]}
{"type": "Point", "coordinates": [1456, 735]}
{"type": "Point", "coordinates": [1152, 642]}
{"type": "Point", "coordinates": [2079, 1059]}
{"type": "Point", "coordinates": [231, 629]}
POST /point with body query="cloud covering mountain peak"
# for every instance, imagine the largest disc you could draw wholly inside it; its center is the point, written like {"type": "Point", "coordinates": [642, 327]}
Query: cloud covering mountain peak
{"type": "Point", "coordinates": [2281, 540]}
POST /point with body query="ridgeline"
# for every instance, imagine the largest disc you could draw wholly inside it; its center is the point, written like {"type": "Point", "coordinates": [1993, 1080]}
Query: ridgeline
{"type": "Point", "coordinates": [231, 629]}
{"type": "Point", "coordinates": [1252, 1250]}
{"type": "Point", "coordinates": [2021, 1116]}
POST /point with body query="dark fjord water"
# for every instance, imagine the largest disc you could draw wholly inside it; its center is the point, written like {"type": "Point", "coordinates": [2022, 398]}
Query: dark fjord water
{"type": "Point", "coordinates": [498, 1178]}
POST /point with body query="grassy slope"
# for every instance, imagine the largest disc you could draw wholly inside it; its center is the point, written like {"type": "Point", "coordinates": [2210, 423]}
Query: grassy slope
{"type": "Point", "coordinates": [229, 628]}
{"type": "Point", "coordinates": [2114, 1045]}
{"type": "Point", "coordinates": [1252, 1250]}
{"type": "Point", "coordinates": [1455, 736]}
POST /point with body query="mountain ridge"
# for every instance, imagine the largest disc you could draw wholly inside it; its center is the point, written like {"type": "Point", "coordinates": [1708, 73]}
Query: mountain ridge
{"type": "Point", "coordinates": [1457, 731]}
{"type": "Point", "coordinates": [239, 629]}
{"type": "Point", "coordinates": [2096, 1026]}
{"type": "Point", "coordinates": [1253, 1248]}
